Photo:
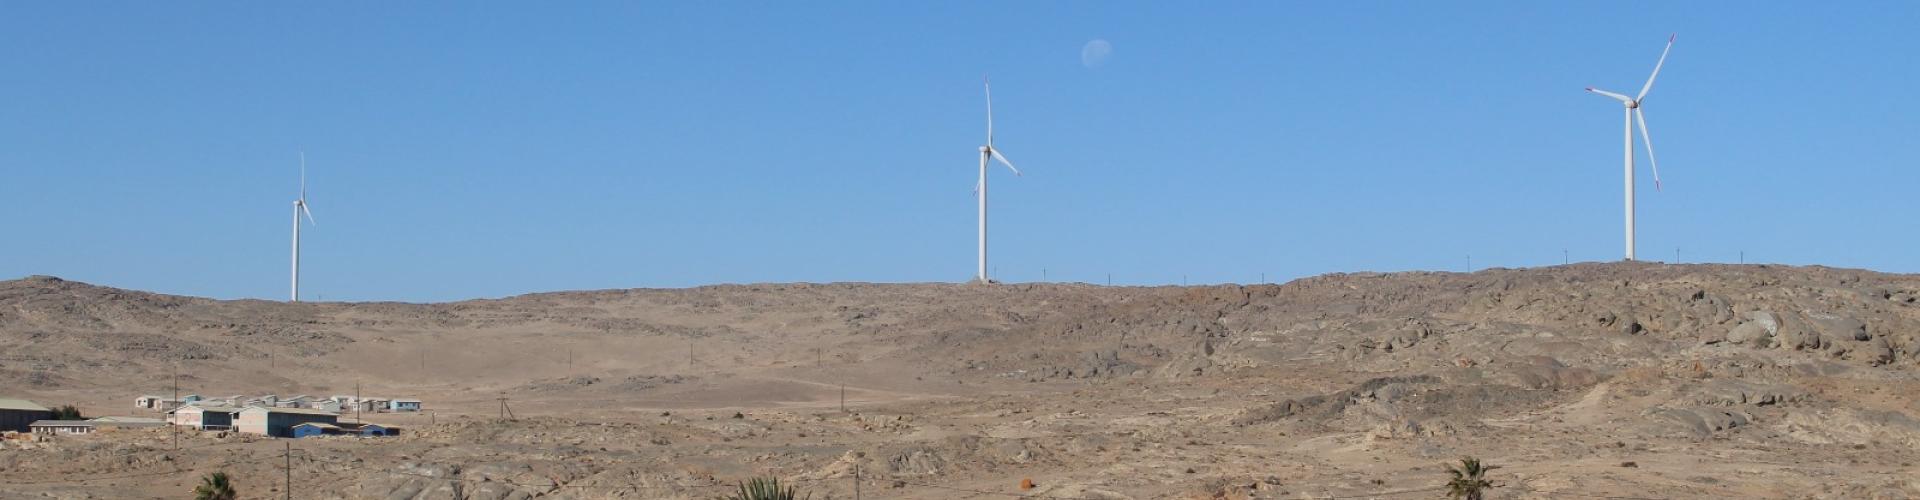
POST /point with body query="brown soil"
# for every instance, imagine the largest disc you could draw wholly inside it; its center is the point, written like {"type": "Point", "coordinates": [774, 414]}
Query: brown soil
{"type": "Point", "coordinates": [1624, 380]}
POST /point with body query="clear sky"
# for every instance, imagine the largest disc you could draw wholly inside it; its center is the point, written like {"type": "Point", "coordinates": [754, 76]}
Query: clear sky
{"type": "Point", "coordinates": [460, 150]}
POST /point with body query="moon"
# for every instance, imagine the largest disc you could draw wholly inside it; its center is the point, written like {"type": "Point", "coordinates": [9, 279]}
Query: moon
{"type": "Point", "coordinates": [1095, 53]}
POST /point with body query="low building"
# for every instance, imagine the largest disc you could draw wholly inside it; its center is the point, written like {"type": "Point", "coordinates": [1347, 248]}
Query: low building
{"type": "Point", "coordinates": [405, 405]}
{"type": "Point", "coordinates": [18, 415]}
{"type": "Point", "coordinates": [70, 427]}
{"type": "Point", "coordinates": [126, 422]}
{"type": "Point", "coordinates": [326, 405]}
{"type": "Point", "coordinates": [57, 427]}
{"type": "Point", "coordinates": [371, 405]}
{"type": "Point", "coordinates": [278, 422]}
{"type": "Point", "coordinates": [310, 429]}
{"type": "Point", "coordinates": [206, 418]}
{"type": "Point", "coordinates": [157, 403]}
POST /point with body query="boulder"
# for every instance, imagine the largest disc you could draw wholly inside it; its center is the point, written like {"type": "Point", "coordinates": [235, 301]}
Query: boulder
{"type": "Point", "coordinates": [1766, 320]}
{"type": "Point", "coordinates": [1701, 423]}
{"type": "Point", "coordinates": [1839, 327]}
{"type": "Point", "coordinates": [1750, 333]}
{"type": "Point", "coordinates": [916, 462]}
{"type": "Point", "coordinates": [1757, 329]}
{"type": "Point", "coordinates": [1733, 392]}
{"type": "Point", "coordinates": [1796, 334]}
{"type": "Point", "coordinates": [1876, 352]}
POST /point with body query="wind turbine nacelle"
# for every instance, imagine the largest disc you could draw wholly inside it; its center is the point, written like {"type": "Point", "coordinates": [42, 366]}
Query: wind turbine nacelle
{"type": "Point", "coordinates": [983, 149]}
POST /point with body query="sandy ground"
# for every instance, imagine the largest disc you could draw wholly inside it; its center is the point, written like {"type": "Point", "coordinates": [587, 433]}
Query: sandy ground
{"type": "Point", "coordinates": [1591, 380]}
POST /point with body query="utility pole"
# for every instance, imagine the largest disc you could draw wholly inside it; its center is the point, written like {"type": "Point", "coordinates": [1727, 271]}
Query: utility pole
{"type": "Point", "coordinates": [1743, 256]}
{"type": "Point", "coordinates": [505, 412]}
{"type": "Point", "coordinates": [856, 481]}
{"type": "Point", "coordinates": [1564, 259]}
{"type": "Point", "coordinates": [1109, 279]}
{"type": "Point", "coordinates": [1043, 275]}
{"type": "Point", "coordinates": [176, 407]}
{"type": "Point", "coordinates": [289, 470]}
{"type": "Point", "coordinates": [1263, 278]}
{"type": "Point", "coordinates": [357, 402]}
{"type": "Point", "coordinates": [1469, 262]}
{"type": "Point", "coordinates": [843, 397]}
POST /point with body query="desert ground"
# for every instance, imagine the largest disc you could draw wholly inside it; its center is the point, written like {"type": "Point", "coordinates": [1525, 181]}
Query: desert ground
{"type": "Point", "coordinates": [1621, 380]}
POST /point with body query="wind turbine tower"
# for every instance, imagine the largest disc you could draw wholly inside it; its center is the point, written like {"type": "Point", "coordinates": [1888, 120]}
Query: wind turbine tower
{"type": "Point", "coordinates": [980, 189]}
{"type": "Point", "coordinates": [299, 209]}
{"type": "Point", "coordinates": [1633, 113]}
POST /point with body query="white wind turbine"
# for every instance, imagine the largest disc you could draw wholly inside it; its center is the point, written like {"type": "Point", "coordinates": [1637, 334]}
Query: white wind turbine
{"type": "Point", "coordinates": [980, 190]}
{"type": "Point", "coordinates": [300, 208]}
{"type": "Point", "coordinates": [1634, 114]}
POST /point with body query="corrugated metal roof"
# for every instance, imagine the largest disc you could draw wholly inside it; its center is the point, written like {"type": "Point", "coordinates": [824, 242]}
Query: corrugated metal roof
{"type": "Point", "coordinates": [20, 404]}
{"type": "Point", "coordinates": [130, 420]}
{"type": "Point", "coordinates": [61, 423]}
{"type": "Point", "coordinates": [207, 408]}
{"type": "Point", "coordinates": [300, 411]}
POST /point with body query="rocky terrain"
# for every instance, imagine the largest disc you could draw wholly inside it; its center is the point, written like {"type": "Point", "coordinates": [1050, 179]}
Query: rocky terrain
{"type": "Point", "coordinates": [1624, 380]}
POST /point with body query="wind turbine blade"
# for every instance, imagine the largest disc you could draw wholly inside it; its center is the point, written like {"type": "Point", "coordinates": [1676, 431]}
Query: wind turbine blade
{"type": "Point", "coordinates": [989, 87]}
{"type": "Point", "coordinates": [303, 175]}
{"type": "Point", "coordinates": [1622, 98]}
{"type": "Point", "coordinates": [303, 209]}
{"type": "Point", "coordinates": [1003, 161]}
{"type": "Point", "coordinates": [1656, 69]}
{"type": "Point", "coordinates": [1641, 116]}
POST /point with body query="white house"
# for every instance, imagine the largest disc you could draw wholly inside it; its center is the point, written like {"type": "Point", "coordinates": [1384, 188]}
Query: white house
{"type": "Point", "coordinates": [326, 405]}
{"type": "Point", "coordinates": [154, 402]}
{"type": "Point", "coordinates": [206, 418]}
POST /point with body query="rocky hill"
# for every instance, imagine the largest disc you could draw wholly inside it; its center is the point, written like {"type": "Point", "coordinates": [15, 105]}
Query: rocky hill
{"type": "Point", "coordinates": [1643, 379]}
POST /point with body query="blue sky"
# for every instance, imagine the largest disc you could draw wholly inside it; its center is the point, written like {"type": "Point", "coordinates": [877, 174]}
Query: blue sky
{"type": "Point", "coordinates": [479, 150]}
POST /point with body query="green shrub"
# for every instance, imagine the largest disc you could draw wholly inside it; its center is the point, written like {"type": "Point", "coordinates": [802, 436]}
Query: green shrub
{"type": "Point", "coordinates": [764, 489]}
{"type": "Point", "coordinates": [215, 486]}
{"type": "Point", "coordinates": [67, 412]}
{"type": "Point", "coordinates": [1469, 480]}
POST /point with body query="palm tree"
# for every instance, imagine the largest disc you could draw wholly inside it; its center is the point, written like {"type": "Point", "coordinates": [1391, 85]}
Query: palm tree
{"type": "Point", "coordinates": [1469, 479]}
{"type": "Point", "coordinates": [764, 489]}
{"type": "Point", "coordinates": [215, 487]}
